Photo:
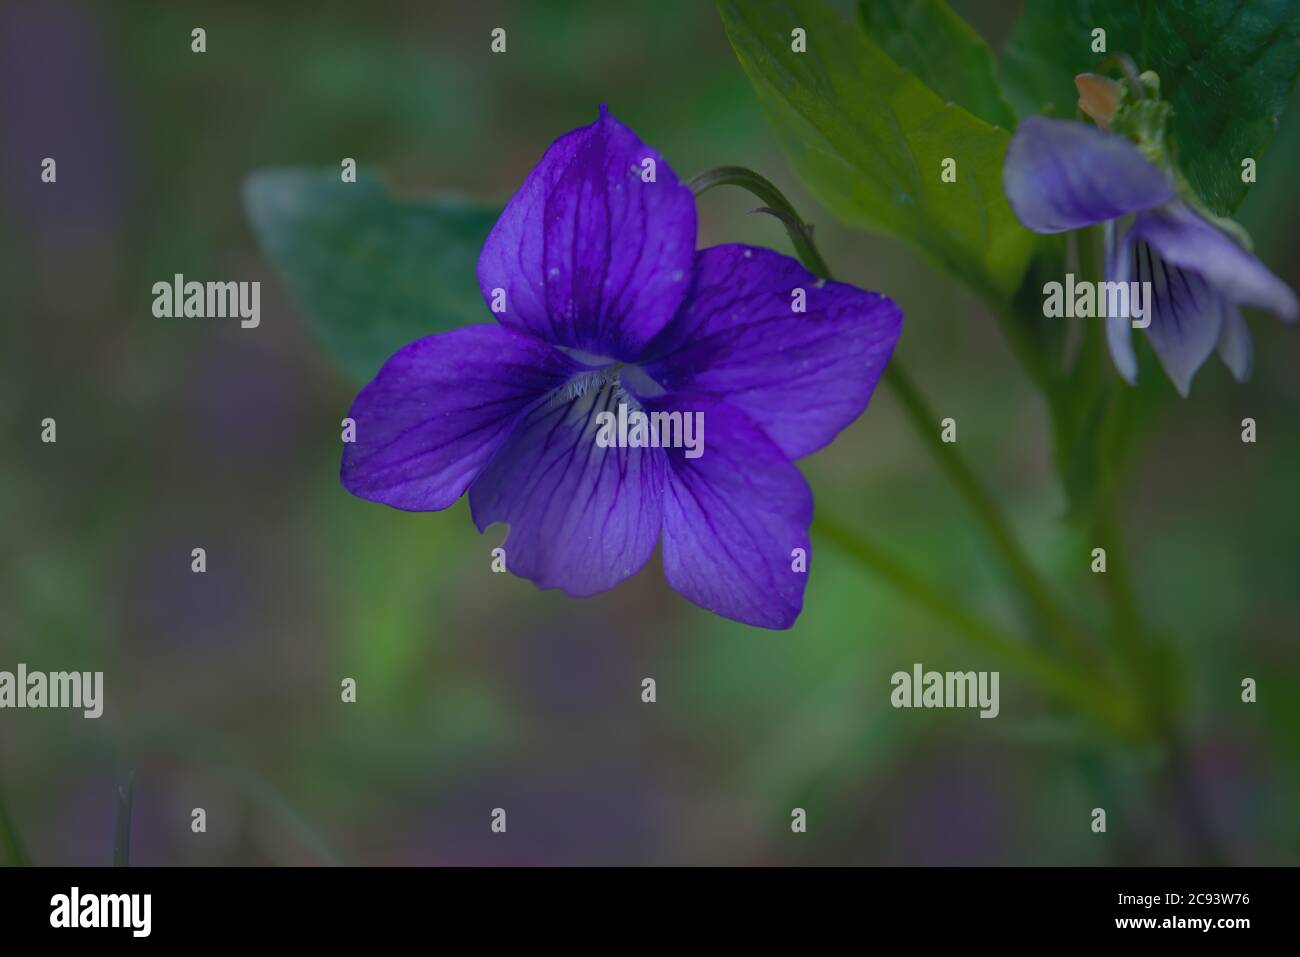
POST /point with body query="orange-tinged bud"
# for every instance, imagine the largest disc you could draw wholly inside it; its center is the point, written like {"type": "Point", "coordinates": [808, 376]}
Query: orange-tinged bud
{"type": "Point", "coordinates": [1098, 97]}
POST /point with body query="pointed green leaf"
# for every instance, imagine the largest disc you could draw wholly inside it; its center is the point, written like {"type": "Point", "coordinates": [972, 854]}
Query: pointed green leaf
{"type": "Point", "coordinates": [869, 138]}
{"type": "Point", "coordinates": [370, 272]}
{"type": "Point", "coordinates": [928, 38]}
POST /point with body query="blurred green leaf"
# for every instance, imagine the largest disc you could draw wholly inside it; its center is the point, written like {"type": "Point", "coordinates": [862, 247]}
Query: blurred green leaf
{"type": "Point", "coordinates": [869, 138]}
{"type": "Point", "coordinates": [1227, 66]}
{"type": "Point", "coordinates": [928, 38]}
{"type": "Point", "coordinates": [370, 272]}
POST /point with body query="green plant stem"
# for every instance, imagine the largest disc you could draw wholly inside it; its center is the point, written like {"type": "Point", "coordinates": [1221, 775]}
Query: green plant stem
{"type": "Point", "coordinates": [1086, 693]}
{"type": "Point", "coordinates": [925, 423]}
{"type": "Point", "coordinates": [800, 232]}
{"type": "Point", "coordinates": [1053, 617]}
{"type": "Point", "coordinates": [9, 840]}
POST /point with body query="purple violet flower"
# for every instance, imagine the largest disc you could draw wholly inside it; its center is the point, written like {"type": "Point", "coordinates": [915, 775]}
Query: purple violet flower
{"type": "Point", "coordinates": [1061, 175]}
{"type": "Point", "coordinates": [602, 300]}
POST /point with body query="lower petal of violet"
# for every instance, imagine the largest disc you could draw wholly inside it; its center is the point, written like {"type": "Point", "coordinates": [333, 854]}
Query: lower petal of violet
{"type": "Point", "coordinates": [1235, 347]}
{"type": "Point", "coordinates": [1186, 313]}
{"type": "Point", "coordinates": [582, 517]}
{"type": "Point", "coordinates": [1119, 269]}
{"type": "Point", "coordinates": [439, 409]}
{"type": "Point", "coordinates": [1186, 240]}
{"type": "Point", "coordinates": [735, 521]}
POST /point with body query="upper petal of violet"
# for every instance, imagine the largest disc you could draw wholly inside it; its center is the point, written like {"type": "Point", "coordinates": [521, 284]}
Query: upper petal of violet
{"type": "Point", "coordinates": [438, 410]}
{"type": "Point", "coordinates": [800, 357]}
{"type": "Point", "coordinates": [1062, 175]}
{"type": "Point", "coordinates": [594, 252]}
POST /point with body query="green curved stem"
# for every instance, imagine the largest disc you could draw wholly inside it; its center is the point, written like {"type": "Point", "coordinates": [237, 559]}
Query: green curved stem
{"type": "Point", "coordinates": [799, 231]}
{"type": "Point", "coordinates": [1083, 691]}
{"type": "Point", "coordinates": [1049, 612]}
{"type": "Point", "coordinates": [925, 422]}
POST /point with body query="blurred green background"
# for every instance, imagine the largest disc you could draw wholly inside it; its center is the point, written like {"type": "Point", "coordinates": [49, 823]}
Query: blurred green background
{"type": "Point", "coordinates": [478, 691]}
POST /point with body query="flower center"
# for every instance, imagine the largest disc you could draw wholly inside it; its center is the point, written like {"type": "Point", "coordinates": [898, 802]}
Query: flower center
{"type": "Point", "coordinates": [628, 380]}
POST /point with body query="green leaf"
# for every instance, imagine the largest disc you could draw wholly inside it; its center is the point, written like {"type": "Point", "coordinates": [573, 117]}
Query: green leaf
{"type": "Point", "coordinates": [869, 138]}
{"type": "Point", "coordinates": [1226, 66]}
{"type": "Point", "coordinates": [932, 41]}
{"type": "Point", "coordinates": [370, 272]}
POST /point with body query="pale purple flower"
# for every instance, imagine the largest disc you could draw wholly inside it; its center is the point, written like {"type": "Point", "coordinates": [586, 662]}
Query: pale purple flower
{"type": "Point", "coordinates": [1061, 175]}
{"type": "Point", "coordinates": [607, 301]}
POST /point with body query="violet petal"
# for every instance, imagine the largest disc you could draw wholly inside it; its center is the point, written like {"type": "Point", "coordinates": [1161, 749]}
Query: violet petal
{"type": "Point", "coordinates": [802, 376]}
{"type": "Point", "coordinates": [732, 519]}
{"type": "Point", "coordinates": [1185, 239]}
{"type": "Point", "coordinates": [1119, 338]}
{"type": "Point", "coordinates": [427, 424]}
{"type": "Point", "coordinates": [1061, 175]}
{"type": "Point", "coordinates": [582, 517]}
{"type": "Point", "coordinates": [1186, 312]}
{"type": "Point", "coordinates": [1235, 346]}
{"type": "Point", "coordinates": [587, 254]}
